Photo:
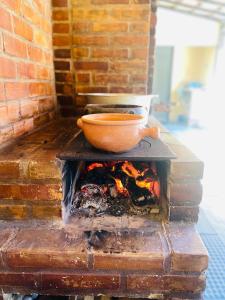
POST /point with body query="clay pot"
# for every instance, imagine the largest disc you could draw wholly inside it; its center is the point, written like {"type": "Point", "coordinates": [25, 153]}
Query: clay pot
{"type": "Point", "coordinates": [115, 132]}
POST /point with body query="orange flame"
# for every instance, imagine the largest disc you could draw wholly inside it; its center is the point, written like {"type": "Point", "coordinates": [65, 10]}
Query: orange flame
{"type": "Point", "coordinates": [94, 165]}
{"type": "Point", "coordinates": [120, 188]}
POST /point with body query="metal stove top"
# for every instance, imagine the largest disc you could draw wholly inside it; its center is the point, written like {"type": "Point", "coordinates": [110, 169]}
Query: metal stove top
{"type": "Point", "coordinates": [147, 150]}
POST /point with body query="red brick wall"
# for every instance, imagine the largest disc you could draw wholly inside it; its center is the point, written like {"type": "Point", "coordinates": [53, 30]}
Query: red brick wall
{"type": "Point", "coordinates": [102, 46]}
{"type": "Point", "coordinates": [26, 66]}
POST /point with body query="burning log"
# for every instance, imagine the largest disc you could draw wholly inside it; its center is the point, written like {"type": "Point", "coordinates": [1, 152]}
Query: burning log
{"type": "Point", "coordinates": [112, 187]}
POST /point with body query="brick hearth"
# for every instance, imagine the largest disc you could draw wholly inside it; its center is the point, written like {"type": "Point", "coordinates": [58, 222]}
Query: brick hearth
{"type": "Point", "coordinates": [40, 254]}
{"type": "Point", "coordinates": [54, 259]}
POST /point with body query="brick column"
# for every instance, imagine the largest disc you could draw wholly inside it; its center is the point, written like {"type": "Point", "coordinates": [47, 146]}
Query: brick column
{"type": "Point", "coordinates": [102, 46]}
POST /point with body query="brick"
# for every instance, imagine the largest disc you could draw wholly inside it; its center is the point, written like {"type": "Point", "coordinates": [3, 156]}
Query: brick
{"type": "Point", "coordinates": [91, 65]}
{"type": "Point", "coordinates": [188, 252]}
{"type": "Point", "coordinates": [80, 52]}
{"type": "Point", "coordinates": [61, 40]}
{"type": "Point", "coordinates": [3, 115]}
{"type": "Point", "coordinates": [171, 283]}
{"type": "Point", "coordinates": [43, 169]}
{"type": "Point", "coordinates": [142, 90]}
{"type": "Point", "coordinates": [104, 79]}
{"type": "Point", "coordinates": [14, 46]}
{"type": "Point", "coordinates": [60, 15]}
{"type": "Point", "coordinates": [16, 90]}
{"type": "Point", "coordinates": [9, 169]}
{"type": "Point", "coordinates": [26, 70]}
{"type": "Point", "coordinates": [131, 40]}
{"type": "Point", "coordinates": [64, 77]}
{"type": "Point", "coordinates": [62, 65]}
{"type": "Point", "coordinates": [6, 133]}
{"type": "Point", "coordinates": [183, 213]}
{"type": "Point", "coordinates": [2, 92]}
{"type": "Point", "coordinates": [42, 73]}
{"type": "Point", "coordinates": [48, 58]}
{"type": "Point", "coordinates": [140, 1]}
{"type": "Point", "coordinates": [59, 3]}
{"type": "Point", "coordinates": [61, 28]}
{"type": "Point", "coordinates": [185, 193]}
{"type": "Point", "coordinates": [5, 236]}
{"type": "Point", "coordinates": [41, 120]}
{"type": "Point", "coordinates": [22, 127]}
{"type": "Point", "coordinates": [30, 191]}
{"type": "Point", "coordinates": [37, 89]}
{"type": "Point", "coordinates": [110, 1]}
{"type": "Point", "coordinates": [128, 66]}
{"type": "Point", "coordinates": [27, 108]}
{"type": "Point", "coordinates": [13, 212]}
{"type": "Point", "coordinates": [83, 77]}
{"type": "Point", "coordinates": [46, 212]}
{"type": "Point", "coordinates": [186, 169]}
{"type": "Point", "coordinates": [8, 68]}
{"type": "Point", "coordinates": [178, 283]}
{"type": "Point", "coordinates": [41, 39]}
{"type": "Point", "coordinates": [62, 53]}
{"type": "Point", "coordinates": [139, 78]}
{"type": "Point", "coordinates": [35, 54]}
{"type": "Point", "coordinates": [120, 89]}
{"type": "Point", "coordinates": [30, 14]}
{"type": "Point", "coordinates": [109, 53]}
{"type": "Point", "coordinates": [148, 283]}
{"type": "Point", "coordinates": [140, 54]}
{"type": "Point", "coordinates": [131, 14]}
{"type": "Point", "coordinates": [91, 89]}
{"type": "Point", "coordinates": [22, 28]}
{"type": "Point", "coordinates": [66, 89]}
{"type": "Point", "coordinates": [13, 111]}
{"type": "Point", "coordinates": [80, 282]}
{"type": "Point", "coordinates": [40, 6]}
{"type": "Point", "coordinates": [68, 112]}
{"type": "Point", "coordinates": [29, 281]}
{"type": "Point", "coordinates": [5, 20]}
{"type": "Point", "coordinates": [39, 249]}
{"type": "Point", "coordinates": [65, 100]}
{"type": "Point", "coordinates": [12, 4]}
{"type": "Point", "coordinates": [91, 40]}
{"type": "Point", "coordinates": [142, 27]}
{"type": "Point", "coordinates": [89, 14]}
{"type": "Point", "coordinates": [133, 251]}
{"type": "Point", "coordinates": [81, 27]}
{"type": "Point", "coordinates": [110, 27]}
{"type": "Point", "coordinates": [46, 104]}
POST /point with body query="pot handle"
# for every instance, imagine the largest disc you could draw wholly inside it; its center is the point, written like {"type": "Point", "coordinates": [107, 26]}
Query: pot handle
{"type": "Point", "coordinates": [80, 123]}
{"type": "Point", "coordinates": [153, 132]}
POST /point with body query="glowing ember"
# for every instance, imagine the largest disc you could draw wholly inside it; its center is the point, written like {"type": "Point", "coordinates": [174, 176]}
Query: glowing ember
{"type": "Point", "coordinates": [145, 177]}
{"type": "Point", "coordinates": [94, 165]}
{"type": "Point", "coordinates": [120, 188]}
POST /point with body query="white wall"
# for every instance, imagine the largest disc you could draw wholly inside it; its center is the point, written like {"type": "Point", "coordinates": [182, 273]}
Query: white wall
{"type": "Point", "coordinates": [178, 29]}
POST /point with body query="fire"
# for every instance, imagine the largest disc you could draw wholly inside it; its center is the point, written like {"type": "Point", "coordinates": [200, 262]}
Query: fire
{"type": "Point", "coordinates": [147, 183]}
{"type": "Point", "coordinates": [120, 188]}
{"type": "Point", "coordinates": [94, 165]}
{"type": "Point", "coordinates": [141, 177]}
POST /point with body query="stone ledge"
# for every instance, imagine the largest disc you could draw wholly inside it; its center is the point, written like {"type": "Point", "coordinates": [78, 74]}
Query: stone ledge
{"type": "Point", "coordinates": [188, 253]}
{"type": "Point", "coordinates": [48, 246]}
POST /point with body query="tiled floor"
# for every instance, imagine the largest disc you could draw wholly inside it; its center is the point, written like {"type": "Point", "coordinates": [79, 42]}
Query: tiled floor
{"type": "Point", "coordinates": [208, 145]}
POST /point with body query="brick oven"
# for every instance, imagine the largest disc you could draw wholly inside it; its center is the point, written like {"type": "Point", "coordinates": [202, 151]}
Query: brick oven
{"type": "Point", "coordinates": [156, 254]}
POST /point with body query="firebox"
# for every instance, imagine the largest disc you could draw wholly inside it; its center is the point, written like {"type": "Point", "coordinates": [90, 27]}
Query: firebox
{"type": "Point", "coordinates": [97, 183]}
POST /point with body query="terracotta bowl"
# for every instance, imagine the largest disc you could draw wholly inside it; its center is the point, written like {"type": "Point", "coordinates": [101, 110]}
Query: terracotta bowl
{"type": "Point", "coordinates": [115, 132]}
